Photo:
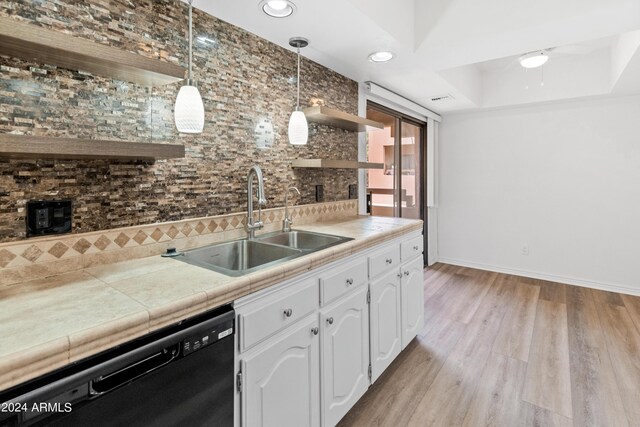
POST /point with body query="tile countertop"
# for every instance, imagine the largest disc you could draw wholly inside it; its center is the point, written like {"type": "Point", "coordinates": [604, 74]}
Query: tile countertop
{"type": "Point", "coordinates": [48, 323]}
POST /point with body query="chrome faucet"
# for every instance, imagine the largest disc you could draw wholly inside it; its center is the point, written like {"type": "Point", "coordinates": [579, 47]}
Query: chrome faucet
{"type": "Point", "coordinates": [252, 225]}
{"type": "Point", "coordinates": [287, 221]}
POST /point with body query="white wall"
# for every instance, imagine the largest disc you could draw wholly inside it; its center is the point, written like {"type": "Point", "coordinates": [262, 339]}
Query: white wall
{"type": "Point", "coordinates": [562, 178]}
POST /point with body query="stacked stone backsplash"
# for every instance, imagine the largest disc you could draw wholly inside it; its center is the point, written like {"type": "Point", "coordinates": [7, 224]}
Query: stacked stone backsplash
{"type": "Point", "coordinates": [244, 80]}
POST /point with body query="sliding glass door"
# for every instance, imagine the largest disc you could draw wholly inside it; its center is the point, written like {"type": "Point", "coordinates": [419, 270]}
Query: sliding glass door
{"type": "Point", "coordinates": [397, 189]}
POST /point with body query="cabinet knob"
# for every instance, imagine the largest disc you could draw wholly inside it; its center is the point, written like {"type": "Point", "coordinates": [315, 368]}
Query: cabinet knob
{"type": "Point", "coordinates": [389, 260]}
{"type": "Point", "coordinates": [288, 312]}
{"type": "Point", "coordinates": [350, 281]}
{"type": "Point", "coordinates": [330, 320]}
{"type": "Point", "coordinates": [415, 248]}
{"type": "Point", "coordinates": [314, 331]}
{"type": "Point", "coordinates": [406, 273]}
{"type": "Point", "coordinates": [399, 275]}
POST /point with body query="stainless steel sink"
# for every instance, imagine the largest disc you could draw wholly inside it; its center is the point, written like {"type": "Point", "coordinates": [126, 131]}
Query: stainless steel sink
{"type": "Point", "coordinates": [304, 240]}
{"type": "Point", "coordinates": [239, 257]}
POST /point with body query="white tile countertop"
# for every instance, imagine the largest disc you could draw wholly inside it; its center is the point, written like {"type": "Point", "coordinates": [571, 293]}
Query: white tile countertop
{"type": "Point", "coordinates": [48, 323]}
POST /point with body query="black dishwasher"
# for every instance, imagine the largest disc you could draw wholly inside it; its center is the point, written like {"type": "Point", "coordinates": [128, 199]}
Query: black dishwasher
{"type": "Point", "coordinates": [182, 375]}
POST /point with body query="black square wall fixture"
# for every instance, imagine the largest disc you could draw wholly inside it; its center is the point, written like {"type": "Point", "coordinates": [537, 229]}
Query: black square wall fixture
{"type": "Point", "coordinates": [48, 217]}
{"type": "Point", "coordinates": [319, 193]}
{"type": "Point", "coordinates": [353, 191]}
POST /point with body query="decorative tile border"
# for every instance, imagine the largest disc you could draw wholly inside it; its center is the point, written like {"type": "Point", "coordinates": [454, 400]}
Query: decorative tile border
{"type": "Point", "coordinates": [42, 257]}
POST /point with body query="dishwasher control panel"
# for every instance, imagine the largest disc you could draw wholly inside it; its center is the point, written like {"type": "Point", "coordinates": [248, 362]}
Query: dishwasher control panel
{"type": "Point", "coordinates": [206, 337]}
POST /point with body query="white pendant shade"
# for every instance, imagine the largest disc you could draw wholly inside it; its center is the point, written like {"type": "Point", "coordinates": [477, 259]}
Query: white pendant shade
{"type": "Point", "coordinates": [189, 110]}
{"type": "Point", "coordinates": [298, 128]}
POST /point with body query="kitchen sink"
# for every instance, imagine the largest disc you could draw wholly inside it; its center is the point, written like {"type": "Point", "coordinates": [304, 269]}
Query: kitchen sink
{"type": "Point", "coordinates": [304, 240]}
{"type": "Point", "coordinates": [244, 256]}
{"type": "Point", "coordinates": [239, 257]}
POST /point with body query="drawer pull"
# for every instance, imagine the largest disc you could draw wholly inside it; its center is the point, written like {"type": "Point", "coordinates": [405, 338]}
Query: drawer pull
{"type": "Point", "coordinates": [330, 320]}
{"type": "Point", "coordinates": [406, 273]}
{"type": "Point", "coordinates": [314, 331]}
{"type": "Point", "coordinates": [415, 248]}
{"type": "Point", "coordinates": [389, 260]}
{"type": "Point", "coordinates": [288, 312]}
{"type": "Point", "coordinates": [350, 281]}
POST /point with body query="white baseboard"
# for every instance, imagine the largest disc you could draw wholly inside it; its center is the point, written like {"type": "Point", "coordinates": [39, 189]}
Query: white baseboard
{"type": "Point", "coordinates": [548, 277]}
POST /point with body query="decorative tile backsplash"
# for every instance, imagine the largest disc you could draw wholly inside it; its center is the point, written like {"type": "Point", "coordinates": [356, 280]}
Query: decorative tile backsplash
{"type": "Point", "coordinates": [45, 256]}
{"type": "Point", "coordinates": [247, 87]}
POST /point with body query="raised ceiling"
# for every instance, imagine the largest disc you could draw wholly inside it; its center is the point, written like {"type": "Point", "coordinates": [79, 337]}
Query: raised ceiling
{"type": "Point", "coordinates": [463, 48]}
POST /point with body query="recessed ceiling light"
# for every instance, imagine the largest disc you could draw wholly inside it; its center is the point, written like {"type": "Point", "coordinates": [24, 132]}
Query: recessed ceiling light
{"type": "Point", "coordinates": [382, 56]}
{"type": "Point", "coordinates": [534, 59]}
{"type": "Point", "coordinates": [278, 8]}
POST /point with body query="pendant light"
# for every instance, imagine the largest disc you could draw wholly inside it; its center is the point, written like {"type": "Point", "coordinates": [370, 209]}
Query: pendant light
{"type": "Point", "coordinates": [189, 110]}
{"type": "Point", "coordinates": [298, 127]}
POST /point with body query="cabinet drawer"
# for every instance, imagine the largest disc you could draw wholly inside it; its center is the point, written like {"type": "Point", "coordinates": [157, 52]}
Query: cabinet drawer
{"type": "Point", "coordinates": [411, 248]}
{"type": "Point", "coordinates": [266, 317]}
{"type": "Point", "coordinates": [385, 260]}
{"type": "Point", "coordinates": [334, 284]}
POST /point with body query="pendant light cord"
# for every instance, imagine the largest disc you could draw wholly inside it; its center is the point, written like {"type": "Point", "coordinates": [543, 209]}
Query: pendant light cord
{"type": "Point", "coordinates": [298, 99]}
{"type": "Point", "coordinates": [190, 43]}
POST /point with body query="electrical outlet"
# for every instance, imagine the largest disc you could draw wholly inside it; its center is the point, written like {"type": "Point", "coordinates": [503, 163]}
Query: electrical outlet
{"type": "Point", "coordinates": [525, 250]}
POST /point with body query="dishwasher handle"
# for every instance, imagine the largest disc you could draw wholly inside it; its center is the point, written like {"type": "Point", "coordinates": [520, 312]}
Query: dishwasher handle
{"type": "Point", "coordinates": [108, 382]}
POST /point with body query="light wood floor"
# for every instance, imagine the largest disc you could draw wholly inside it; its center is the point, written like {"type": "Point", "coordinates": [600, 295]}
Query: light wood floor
{"type": "Point", "coordinates": [509, 351]}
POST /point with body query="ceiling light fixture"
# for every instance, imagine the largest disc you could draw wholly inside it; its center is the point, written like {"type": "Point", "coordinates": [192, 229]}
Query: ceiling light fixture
{"type": "Point", "coordinates": [189, 110]}
{"type": "Point", "coordinates": [298, 127]}
{"type": "Point", "coordinates": [382, 56]}
{"type": "Point", "coordinates": [534, 59]}
{"type": "Point", "coordinates": [278, 8]}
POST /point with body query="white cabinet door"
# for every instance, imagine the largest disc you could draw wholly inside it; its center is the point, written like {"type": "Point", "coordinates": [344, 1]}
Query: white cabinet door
{"type": "Point", "coordinates": [385, 327]}
{"type": "Point", "coordinates": [281, 381]}
{"type": "Point", "coordinates": [344, 355]}
{"type": "Point", "coordinates": [412, 297]}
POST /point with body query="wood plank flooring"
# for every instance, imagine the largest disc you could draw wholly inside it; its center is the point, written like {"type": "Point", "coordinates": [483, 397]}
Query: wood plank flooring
{"type": "Point", "coordinates": [502, 350]}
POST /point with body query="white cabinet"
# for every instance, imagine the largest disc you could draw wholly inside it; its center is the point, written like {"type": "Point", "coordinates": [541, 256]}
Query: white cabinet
{"type": "Point", "coordinates": [308, 348]}
{"type": "Point", "coordinates": [264, 318]}
{"type": "Point", "coordinates": [281, 381]}
{"type": "Point", "coordinates": [344, 355]}
{"type": "Point", "coordinates": [337, 282]}
{"type": "Point", "coordinates": [385, 320]}
{"type": "Point", "coordinates": [411, 248]}
{"type": "Point", "coordinates": [384, 260]}
{"type": "Point", "coordinates": [412, 297]}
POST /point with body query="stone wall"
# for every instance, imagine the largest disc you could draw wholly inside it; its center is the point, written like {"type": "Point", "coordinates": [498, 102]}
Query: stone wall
{"type": "Point", "coordinates": [244, 80]}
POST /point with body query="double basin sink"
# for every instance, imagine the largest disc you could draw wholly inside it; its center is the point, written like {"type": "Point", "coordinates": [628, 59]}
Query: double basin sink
{"type": "Point", "coordinates": [240, 257]}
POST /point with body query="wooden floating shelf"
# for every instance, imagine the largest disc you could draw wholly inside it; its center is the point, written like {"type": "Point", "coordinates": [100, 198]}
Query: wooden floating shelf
{"type": "Point", "coordinates": [34, 43]}
{"type": "Point", "coordinates": [334, 164]}
{"type": "Point", "coordinates": [37, 147]}
{"type": "Point", "coordinates": [339, 119]}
